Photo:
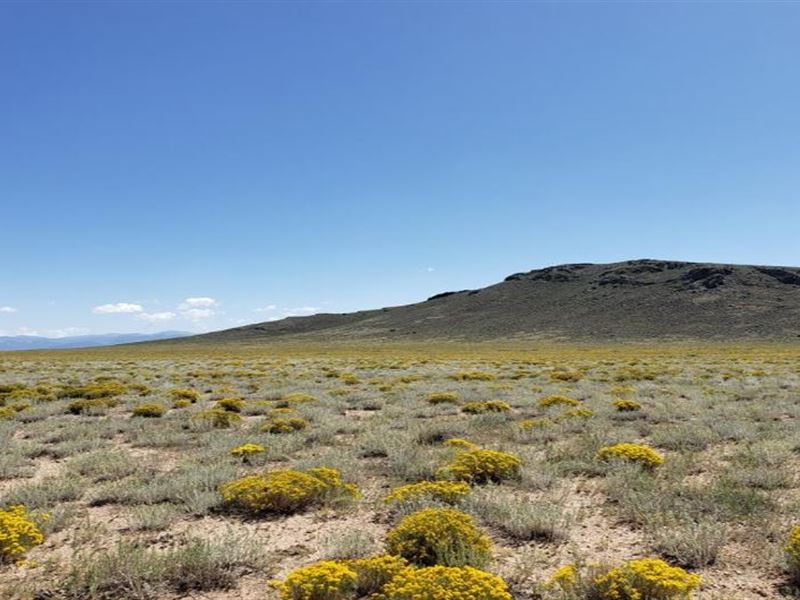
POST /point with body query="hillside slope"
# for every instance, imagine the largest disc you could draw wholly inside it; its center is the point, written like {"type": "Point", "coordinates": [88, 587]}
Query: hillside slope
{"type": "Point", "coordinates": [638, 299]}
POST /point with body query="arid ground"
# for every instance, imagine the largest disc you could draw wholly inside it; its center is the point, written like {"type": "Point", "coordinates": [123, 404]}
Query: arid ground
{"type": "Point", "coordinates": [134, 503]}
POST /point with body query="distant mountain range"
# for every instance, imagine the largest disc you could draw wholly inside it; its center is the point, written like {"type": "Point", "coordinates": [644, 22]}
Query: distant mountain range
{"type": "Point", "coordinates": [35, 342]}
{"type": "Point", "coordinates": [632, 300]}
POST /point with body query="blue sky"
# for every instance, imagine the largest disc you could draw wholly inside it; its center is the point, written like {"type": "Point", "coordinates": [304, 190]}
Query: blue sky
{"type": "Point", "coordinates": [199, 165]}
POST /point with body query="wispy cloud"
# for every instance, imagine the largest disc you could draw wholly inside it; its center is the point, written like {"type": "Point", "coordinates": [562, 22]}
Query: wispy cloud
{"type": "Point", "coordinates": [267, 308]}
{"type": "Point", "coordinates": [7, 309]}
{"type": "Point", "coordinates": [157, 317]}
{"type": "Point", "coordinates": [117, 308]}
{"type": "Point", "coordinates": [198, 308]}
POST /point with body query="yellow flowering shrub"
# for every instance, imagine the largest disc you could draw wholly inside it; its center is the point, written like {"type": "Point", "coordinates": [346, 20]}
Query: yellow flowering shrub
{"type": "Point", "coordinates": [531, 424]}
{"type": "Point", "coordinates": [180, 403]}
{"type": "Point", "coordinates": [623, 405]}
{"type": "Point", "coordinates": [482, 466]}
{"type": "Point", "coordinates": [792, 549]}
{"type": "Point", "coordinates": [449, 492]}
{"type": "Point", "coordinates": [185, 394]}
{"type": "Point", "coordinates": [230, 404]}
{"type": "Point", "coordinates": [445, 583]}
{"type": "Point", "coordinates": [376, 571]}
{"type": "Point", "coordinates": [90, 405]}
{"type": "Point", "coordinates": [439, 536]}
{"type": "Point", "coordinates": [442, 398]}
{"type": "Point", "coordinates": [284, 425]}
{"type": "Point", "coordinates": [557, 400]}
{"type": "Point", "coordinates": [578, 413]}
{"type": "Point", "coordinates": [566, 577]}
{"type": "Point", "coordinates": [326, 580]}
{"type": "Point", "coordinates": [246, 450]}
{"type": "Point", "coordinates": [646, 579]}
{"type": "Point", "coordinates": [485, 407]}
{"type": "Point", "coordinates": [149, 409]}
{"type": "Point", "coordinates": [92, 391]}
{"type": "Point", "coordinates": [217, 418]}
{"type": "Point", "coordinates": [638, 453]}
{"type": "Point", "coordinates": [295, 398]}
{"type": "Point", "coordinates": [7, 413]}
{"type": "Point", "coordinates": [460, 444]}
{"type": "Point", "coordinates": [473, 376]}
{"type": "Point", "coordinates": [19, 532]}
{"type": "Point", "coordinates": [286, 491]}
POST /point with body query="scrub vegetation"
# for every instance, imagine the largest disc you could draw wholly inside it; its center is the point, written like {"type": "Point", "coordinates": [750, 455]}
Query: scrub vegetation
{"type": "Point", "coordinates": [401, 472]}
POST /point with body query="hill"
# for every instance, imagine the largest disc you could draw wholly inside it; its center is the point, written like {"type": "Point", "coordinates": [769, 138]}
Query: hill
{"type": "Point", "coordinates": [631, 300]}
{"type": "Point", "coordinates": [35, 342]}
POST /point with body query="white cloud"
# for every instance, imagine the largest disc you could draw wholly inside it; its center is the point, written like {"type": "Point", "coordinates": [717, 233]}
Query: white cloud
{"type": "Point", "coordinates": [267, 308]}
{"type": "Point", "coordinates": [202, 302]}
{"type": "Point", "coordinates": [7, 309]}
{"type": "Point", "coordinates": [198, 308]}
{"type": "Point", "coordinates": [119, 307]}
{"type": "Point", "coordinates": [431, 269]}
{"type": "Point", "coordinates": [157, 317]}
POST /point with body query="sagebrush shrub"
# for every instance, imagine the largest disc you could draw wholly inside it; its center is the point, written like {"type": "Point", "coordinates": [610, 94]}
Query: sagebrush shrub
{"type": "Point", "coordinates": [19, 532]}
{"type": "Point", "coordinates": [185, 394]}
{"type": "Point", "coordinates": [445, 583]}
{"type": "Point", "coordinates": [286, 491]}
{"type": "Point", "coordinates": [482, 466]}
{"type": "Point", "coordinates": [439, 536]}
{"type": "Point", "coordinates": [637, 453]}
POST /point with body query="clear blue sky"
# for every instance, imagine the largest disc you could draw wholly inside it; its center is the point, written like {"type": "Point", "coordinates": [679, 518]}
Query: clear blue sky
{"type": "Point", "coordinates": [268, 158]}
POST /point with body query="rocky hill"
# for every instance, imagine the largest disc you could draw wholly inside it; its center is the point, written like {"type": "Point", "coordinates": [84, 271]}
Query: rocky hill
{"type": "Point", "coordinates": [637, 299]}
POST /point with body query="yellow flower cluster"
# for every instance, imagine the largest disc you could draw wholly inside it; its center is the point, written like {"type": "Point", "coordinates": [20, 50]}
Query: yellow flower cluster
{"type": "Point", "coordinates": [578, 413]}
{"type": "Point", "coordinates": [530, 424]}
{"type": "Point", "coordinates": [218, 418]}
{"type": "Point", "coordinates": [646, 579]}
{"type": "Point", "coordinates": [482, 466]}
{"type": "Point", "coordinates": [376, 571]}
{"type": "Point", "coordinates": [443, 397]}
{"type": "Point", "coordinates": [326, 580]}
{"type": "Point", "coordinates": [626, 405]}
{"type": "Point", "coordinates": [246, 450]}
{"type": "Point", "coordinates": [557, 400]}
{"type": "Point", "coordinates": [792, 549]}
{"type": "Point", "coordinates": [389, 577]}
{"type": "Point", "coordinates": [485, 407]}
{"type": "Point", "coordinates": [566, 577]}
{"type": "Point", "coordinates": [284, 425]}
{"type": "Point", "coordinates": [638, 453]}
{"type": "Point", "coordinates": [149, 409]}
{"type": "Point", "coordinates": [439, 536]}
{"type": "Point", "coordinates": [295, 398]}
{"type": "Point", "coordinates": [7, 413]}
{"type": "Point", "coordinates": [460, 444]}
{"type": "Point", "coordinates": [446, 583]}
{"type": "Point", "coordinates": [449, 492]}
{"type": "Point", "coordinates": [18, 533]}
{"type": "Point", "coordinates": [185, 394]}
{"type": "Point", "coordinates": [92, 391]}
{"type": "Point", "coordinates": [286, 491]}
{"type": "Point", "coordinates": [90, 405]}
{"type": "Point", "coordinates": [230, 404]}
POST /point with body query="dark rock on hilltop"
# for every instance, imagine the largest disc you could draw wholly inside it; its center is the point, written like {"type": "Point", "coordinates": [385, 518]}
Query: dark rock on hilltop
{"type": "Point", "coordinates": [638, 299]}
